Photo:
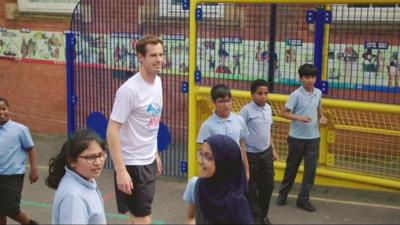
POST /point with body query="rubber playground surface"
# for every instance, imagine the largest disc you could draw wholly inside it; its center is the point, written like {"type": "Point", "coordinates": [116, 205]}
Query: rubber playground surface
{"type": "Point", "coordinates": [334, 205]}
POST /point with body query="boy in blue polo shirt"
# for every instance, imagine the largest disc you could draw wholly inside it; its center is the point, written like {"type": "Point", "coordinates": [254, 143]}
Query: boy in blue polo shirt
{"type": "Point", "coordinates": [303, 107]}
{"type": "Point", "coordinates": [15, 144]}
{"type": "Point", "coordinates": [225, 122]}
{"type": "Point", "coordinates": [260, 150]}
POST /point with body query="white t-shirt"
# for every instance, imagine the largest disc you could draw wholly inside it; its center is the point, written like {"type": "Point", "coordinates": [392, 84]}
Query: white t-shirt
{"type": "Point", "coordinates": [138, 107]}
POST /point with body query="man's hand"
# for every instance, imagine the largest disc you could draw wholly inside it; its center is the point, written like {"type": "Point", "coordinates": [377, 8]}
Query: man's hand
{"type": "Point", "coordinates": [33, 176]}
{"type": "Point", "coordinates": [124, 182]}
{"type": "Point", "coordinates": [159, 165]}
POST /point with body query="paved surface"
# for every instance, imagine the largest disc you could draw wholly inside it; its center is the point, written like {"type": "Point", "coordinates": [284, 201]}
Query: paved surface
{"type": "Point", "coordinates": [334, 205]}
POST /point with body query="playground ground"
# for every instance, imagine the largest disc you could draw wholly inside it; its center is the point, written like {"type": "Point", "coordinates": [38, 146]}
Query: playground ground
{"type": "Point", "coordinates": [334, 205]}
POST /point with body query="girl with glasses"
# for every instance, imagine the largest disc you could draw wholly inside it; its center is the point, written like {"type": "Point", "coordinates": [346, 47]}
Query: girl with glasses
{"type": "Point", "coordinates": [72, 173]}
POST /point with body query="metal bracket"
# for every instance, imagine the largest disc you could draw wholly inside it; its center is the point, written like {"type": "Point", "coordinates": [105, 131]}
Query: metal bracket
{"type": "Point", "coordinates": [324, 87]}
{"type": "Point", "coordinates": [74, 99]}
{"type": "Point", "coordinates": [331, 137]}
{"type": "Point", "coordinates": [184, 166]}
{"type": "Point", "coordinates": [328, 17]}
{"type": "Point", "coordinates": [197, 76]}
{"type": "Point", "coordinates": [185, 87]}
{"type": "Point", "coordinates": [311, 16]}
{"type": "Point", "coordinates": [186, 4]}
{"type": "Point", "coordinates": [199, 14]}
{"type": "Point", "coordinates": [330, 159]}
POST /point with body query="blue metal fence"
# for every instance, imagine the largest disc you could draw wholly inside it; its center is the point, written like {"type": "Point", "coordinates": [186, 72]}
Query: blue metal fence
{"type": "Point", "coordinates": [102, 56]}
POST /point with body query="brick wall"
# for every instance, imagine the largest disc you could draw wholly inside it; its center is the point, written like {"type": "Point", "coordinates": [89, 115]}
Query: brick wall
{"type": "Point", "coordinates": [36, 92]}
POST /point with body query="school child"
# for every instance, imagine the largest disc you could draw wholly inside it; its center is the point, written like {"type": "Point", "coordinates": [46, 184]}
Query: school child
{"type": "Point", "coordinates": [217, 195]}
{"type": "Point", "coordinates": [223, 121]}
{"type": "Point", "coordinates": [72, 173]}
{"type": "Point", "coordinates": [303, 107]}
{"type": "Point", "coordinates": [260, 150]}
{"type": "Point", "coordinates": [15, 145]}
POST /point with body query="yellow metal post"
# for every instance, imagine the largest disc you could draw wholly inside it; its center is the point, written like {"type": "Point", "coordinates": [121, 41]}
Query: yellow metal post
{"type": "Point", "coordinates": [192, 92]}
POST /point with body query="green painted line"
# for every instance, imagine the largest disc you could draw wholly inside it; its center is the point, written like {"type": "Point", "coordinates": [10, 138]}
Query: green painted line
{"type": "Point", "coordinates": [38, 204]}
{"type": "Point", "coordinates": [108, 215]}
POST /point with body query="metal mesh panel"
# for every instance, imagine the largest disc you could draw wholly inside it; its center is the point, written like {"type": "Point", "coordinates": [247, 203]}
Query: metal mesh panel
{"type": "Point", "coordinates": [360, 141]}
{"type": "Point", "coordinates": [367, 153]}
{"type": "Point", "coordinates": [363, 54]}
{"type": "Point", "coordinates": [237, 43]}
{"type": "Point", "coordinates": [365, 142]}
{"type": "Point", "coordinates": [106, 32]}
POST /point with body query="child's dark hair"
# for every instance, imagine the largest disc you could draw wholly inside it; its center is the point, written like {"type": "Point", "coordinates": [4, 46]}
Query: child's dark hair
{"type": "Point", "coordinates": [220, 91]}
{"type": "Point", "coordinates": [70, 151]}
{"type": "Point", "coordinates": [308, 70]}
{"type": "Point", "coordinates": [3, 99]}
{"type": "Point", "coordinates": [257, 83]}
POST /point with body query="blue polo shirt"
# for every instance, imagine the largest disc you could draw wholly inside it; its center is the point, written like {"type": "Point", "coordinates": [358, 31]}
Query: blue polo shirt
{"type": "Point", "coordinates": [302, 102]}
{"type": "Point", "coordinates": [77, 201]}
{"type": "Point", "coordinates": [188, 195]}
{"type": "Point", "coordinates": [15, 141]}
{"type": "Point", "coordinates": [259, 122]}
{"type": "Point", "coordinates": [233, 126]}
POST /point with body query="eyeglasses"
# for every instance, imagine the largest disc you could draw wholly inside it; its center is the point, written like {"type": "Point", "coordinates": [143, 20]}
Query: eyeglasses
{"type": "Point", "coordinates": [92, 158]}
{"type": "Point", "coordinates": [204, 157]}
{"type": "Point", "coordinates": [224, 101]}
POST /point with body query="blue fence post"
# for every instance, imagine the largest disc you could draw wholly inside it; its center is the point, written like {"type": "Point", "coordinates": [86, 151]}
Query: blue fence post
{"type": "Point", "coordinates": [319, 43]}
{"type": "Point", "coordinates": [71, 98]}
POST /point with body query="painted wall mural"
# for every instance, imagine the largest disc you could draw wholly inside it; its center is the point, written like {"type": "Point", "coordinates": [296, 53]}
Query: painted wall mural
{"type": "Point", "coordinates": [349, 65]}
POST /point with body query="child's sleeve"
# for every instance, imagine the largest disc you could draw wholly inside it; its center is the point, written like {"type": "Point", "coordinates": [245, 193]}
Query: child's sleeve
{"type": "Point", "coordinates": [204, 133]}
{"type": "Point", "coordinates": [291, 102]}
{"type": "Point", "coordinates": [245, 131]}
{"type": "Point", "coordinates": [244, 114]}
{"type": "Point", "coordinates": [26, 139]}
{"type": "Point", "coordinates": [188, 196]}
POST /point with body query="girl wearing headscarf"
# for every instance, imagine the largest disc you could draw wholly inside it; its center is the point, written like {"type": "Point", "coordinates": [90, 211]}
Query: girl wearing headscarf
{"type": "Point", "coordinates": [217, 195]}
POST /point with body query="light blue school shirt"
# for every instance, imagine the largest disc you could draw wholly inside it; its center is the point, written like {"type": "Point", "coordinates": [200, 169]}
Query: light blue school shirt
{"type": "Point", "coordinates": [15, 141]}
{"type": "Point", "coordinates": [301, 102]}
{"type": "Point", "coordinates": [188, 195]}
{"type": "Point", "coordinates": [259, 122]}
{"type": "Point", "coordinates": [233, 126]}
{"type": "Point", "coordinates": [77, 201]}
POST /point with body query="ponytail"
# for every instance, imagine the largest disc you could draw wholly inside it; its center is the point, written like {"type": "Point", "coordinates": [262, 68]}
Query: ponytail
{"type": "Point", "coordinates": [57, 168]}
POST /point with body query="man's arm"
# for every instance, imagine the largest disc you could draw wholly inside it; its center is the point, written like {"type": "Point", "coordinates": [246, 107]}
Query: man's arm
{"type": "Point", "coordinates": [33, 176]}
{"type": "Point", "coordinates": [159, 164]}
{"type": "Point", "coordinates": [244, 156]}
{"type": "Point", "coordinates": [124, 181]}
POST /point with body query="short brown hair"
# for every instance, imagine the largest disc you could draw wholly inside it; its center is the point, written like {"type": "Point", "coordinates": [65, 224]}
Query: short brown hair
{"type": "Point", "coordinates": [144, 41]}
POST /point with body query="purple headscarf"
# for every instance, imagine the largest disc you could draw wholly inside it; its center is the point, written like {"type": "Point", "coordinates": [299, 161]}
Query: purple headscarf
{"type": "Point", "coordinates": [221, 197]}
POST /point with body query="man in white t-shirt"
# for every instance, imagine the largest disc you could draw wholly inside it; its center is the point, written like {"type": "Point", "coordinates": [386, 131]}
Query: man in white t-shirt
{"type": "Point", "coordinates": [132, 133]}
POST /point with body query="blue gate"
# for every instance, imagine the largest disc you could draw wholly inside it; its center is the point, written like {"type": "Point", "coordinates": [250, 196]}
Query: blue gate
{"type": "Point", "coordinates": [101, 56]}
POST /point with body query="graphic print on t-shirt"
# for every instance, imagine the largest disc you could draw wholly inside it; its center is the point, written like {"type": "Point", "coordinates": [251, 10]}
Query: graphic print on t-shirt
{"type": "Point", "coordinates": [154, 110]}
